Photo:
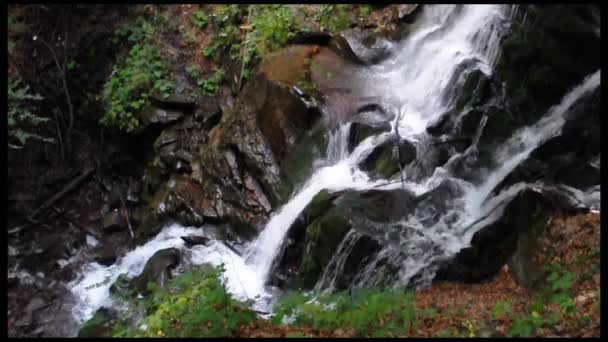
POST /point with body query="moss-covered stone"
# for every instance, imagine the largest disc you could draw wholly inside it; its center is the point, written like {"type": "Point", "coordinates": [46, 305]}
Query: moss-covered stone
{"type": "Point", "coordinates": [298, 165]}
{"type": "Point", "coordinates": [322, 238]}
{"type": "Point", "coordinates": [98, 326]}
{"type": "Point", "coordinates": [384, 161]}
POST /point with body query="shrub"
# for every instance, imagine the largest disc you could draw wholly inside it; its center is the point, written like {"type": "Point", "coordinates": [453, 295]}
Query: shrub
{"type": "Point", "coordinates": [132, 81]}
{"type": "Point", "coordinates": [199, 19]}
{"type": "Point", "coordinates": [272, 26]}
{"type": "Point", "coordinates": [21, 116]}
{"type": "Point", "coordinates": [368, 312]}
{"type": "Point", "coordinates": [334, 17]}
{"type": "Point", "coordinates": [196, 304]}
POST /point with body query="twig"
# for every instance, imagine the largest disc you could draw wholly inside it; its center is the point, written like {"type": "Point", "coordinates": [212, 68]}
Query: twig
{"type": "Point", "coordinates": [126, 214]}
{"type": "Point", "coordinates": [71, 186]}
{"type": "Point", "coordinates": [65, 89]}
{"type": "Point", "coordinates": [398, 141]}
{"type": "Point", "coordinates": [250, 10]}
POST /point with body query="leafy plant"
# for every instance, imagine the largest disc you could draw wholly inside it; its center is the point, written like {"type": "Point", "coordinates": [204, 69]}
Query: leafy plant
{"type": "Point", "coordinates": [21, 116]}
{"type": "Point", "coordinates": [471, 328]}
{"type": "Point", "coordinates": [128, 90]}
{"type": "Point", "coordinates": [500, 309]}
{"type": "Point", "coordinates": [334, 17]}
{"type": "Point", "coordinates": [365, 10]}
{"type": "Point", "coordinates": [196, 304]}
{"type": "Point", "coordinates": [272, 26]}
{"type": "Point", "coordinates": [368, 312]}
{"type": "Point", "coordinates": [199, 19]}
{"type": "Point", "coordinates": [211, 85]}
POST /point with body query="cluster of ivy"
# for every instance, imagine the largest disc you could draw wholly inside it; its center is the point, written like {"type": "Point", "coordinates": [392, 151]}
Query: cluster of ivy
{"type": "Point", "coordinates": [133, 81]}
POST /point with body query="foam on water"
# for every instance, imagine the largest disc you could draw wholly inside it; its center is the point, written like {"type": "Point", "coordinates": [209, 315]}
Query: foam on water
{"type": "Point", "coordinates": [415, 80]}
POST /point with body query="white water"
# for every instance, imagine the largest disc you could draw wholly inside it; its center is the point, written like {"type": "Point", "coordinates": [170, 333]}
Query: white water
{"type": "Point", "coordinates": [416, 81]}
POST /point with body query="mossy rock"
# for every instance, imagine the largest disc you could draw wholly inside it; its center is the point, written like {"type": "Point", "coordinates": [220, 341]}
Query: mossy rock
{"type": "Point", "coordinates": [157, 270]}
{"type": "Point", "coordinates": [384, 161]}
{"type": "Point", "coordinates": [100, 325]}
{"type": "Point", "coordinates": [322, 239]}
{"type": "Point", "coordinates": [298, 164]}
{"type": "Point", "coordinates": [319, 204]}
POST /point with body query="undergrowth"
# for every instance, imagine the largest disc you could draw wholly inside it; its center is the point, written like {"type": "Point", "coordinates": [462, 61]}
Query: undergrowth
{"type": "Point", "coordinates": [133, 81]}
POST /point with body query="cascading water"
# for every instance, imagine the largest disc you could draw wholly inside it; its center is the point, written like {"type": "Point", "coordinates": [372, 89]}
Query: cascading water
{"type": "Point", "coordinates": [417, 84]}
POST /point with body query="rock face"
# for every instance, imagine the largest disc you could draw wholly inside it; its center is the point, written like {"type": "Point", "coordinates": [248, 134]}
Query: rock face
{"type": "Point", "coordinates": [556, 53]}
{"type": "Point", "coordinates": [315, 236]}
{"type": "Point", "coordinates": [389, 157]}
{"type": "Point", "coordinates": [493, 245]}
{"type": "Point", "coordinates": [195, 240]}
{"type": "Point", "coordinates": [157, 270]}
{"type": "Point", "coordinates": [565, 159]}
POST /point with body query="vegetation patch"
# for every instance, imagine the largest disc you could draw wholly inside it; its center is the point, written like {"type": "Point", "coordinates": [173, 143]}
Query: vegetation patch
{"type": "Point", "coordinates": [132, 82]}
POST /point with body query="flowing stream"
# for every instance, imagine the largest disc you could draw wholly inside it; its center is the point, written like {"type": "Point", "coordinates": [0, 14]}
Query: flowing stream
{"type": "Point", "coordinates": [419, 81]}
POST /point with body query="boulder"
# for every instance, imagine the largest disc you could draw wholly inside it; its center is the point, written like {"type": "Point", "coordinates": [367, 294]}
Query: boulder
{"type": "Point", "coordinates": [157, 270]}
{"type": "Point", "coordinates": [155, 115]}
{"type": "Point", "coordinates": [100, 325]}
{"type": "Point", "coordinates": [106, 254]}
{"type": "Point", "coordinates": [114, 221]}
{"type": "Point", "coordinates": [407, 12]}
{"type": "Point", "coordinates": [195, 240]}
{"type": "Point", "coordinates": [388, 157]}
{"type": "Point", "coordinates": [361, 131]}
{"type": "Point", "coordinates": [495, 243]}
{"type": "Point", "coordinates": [554, 54]}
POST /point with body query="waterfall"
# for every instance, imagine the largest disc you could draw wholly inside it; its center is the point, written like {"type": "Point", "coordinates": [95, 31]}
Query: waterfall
{"type": "Point", "coordinates": [446, 42]}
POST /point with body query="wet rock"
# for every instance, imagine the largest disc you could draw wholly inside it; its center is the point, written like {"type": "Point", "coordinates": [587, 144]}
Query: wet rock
{"type": "Point", "coordinates": [98, 326]}
{"type": "Point", "coordinates": [555, 54]}
{"type": "Point", "coordinates": [310, 38]}
{"type": "Point", "coordinates": [135, 188]}
{"type": "Point", "coordinates": [370, 47]}
{"type": "Point", "coordinates": [211, 120]}
{"type": "Point", "coordinates": [407, 13]}
{"type": "Point", "coordinates": [121, 286]}
{"type": "Point", "coordinates": [157, 270]}
{"type": "Point", "coordinates": [195, 240]}
{"type": "Point", "coordinates": [114, 221]}
{"type": "Point", "coordinates": [253, 185]}
{"type": "Point", "coordinates": [322, 237]}
{"type": "Point", "coordinates": [361, 252]}
{"type": "Point", "coordinates": [299, 164]}
{"type": "Point", "coordinates": [494, 244]}
{"type": "Point", "coordinates": [388, 157]}
{"type": "Point", "coordinates": [32, 307]}
{"type": "Point", "coordinates": [341, 47]}
{"type": "Point", "coordinates": [106, 255]}
{"type": "Point", "coordinates": [442, 125]}
{"type": "Point", "coordinates": [174, 102]}
{"type": "Point", "coordinates": [360, 131]}
{"type": "Point", "coordinates": [155, 115]}
{"type": "Point", "coordinates": [319, 230]}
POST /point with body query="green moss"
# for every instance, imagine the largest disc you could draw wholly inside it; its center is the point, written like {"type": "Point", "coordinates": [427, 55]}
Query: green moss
{"type": "Point", "coordinates": [322, 238]}
{"type": "Point", "coordinates": [298, 164]}
{"type": "Point", "coordinates": [97, 326]}
{"type": "Point", "coordinates": [386, 165]}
